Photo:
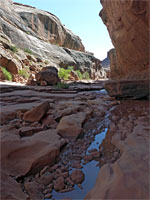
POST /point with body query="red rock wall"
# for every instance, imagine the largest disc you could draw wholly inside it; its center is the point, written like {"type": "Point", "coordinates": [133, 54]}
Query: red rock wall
{"type": "Point", "coordinates": [127, 22]}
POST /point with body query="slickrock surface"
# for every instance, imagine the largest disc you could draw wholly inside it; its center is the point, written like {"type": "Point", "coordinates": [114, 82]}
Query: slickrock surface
{"type": "Point", "coordinates": [48, 27]}
{"type": "Point", "coordinates": [33, 21]}
{"type": "Point", "coordinates": [25, 30]}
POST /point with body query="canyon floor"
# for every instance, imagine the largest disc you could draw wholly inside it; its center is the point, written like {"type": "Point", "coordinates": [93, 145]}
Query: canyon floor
{"type": "Point", "coordinates": [76, 143]}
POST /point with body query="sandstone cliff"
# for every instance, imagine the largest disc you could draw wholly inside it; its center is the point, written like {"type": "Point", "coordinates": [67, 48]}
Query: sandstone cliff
{"type": "Point", "coordinates": [41, 32]}
{"type": "Point", "coordinates": [38, 23]}
{"type": "Point", "coordinates": [48, 27]}
{"type": "Point", "coordinates": [128, 25]}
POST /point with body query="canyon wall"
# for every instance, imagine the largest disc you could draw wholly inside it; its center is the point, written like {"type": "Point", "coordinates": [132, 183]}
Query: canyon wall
{"type": "Point", "coordinates": [25, 27]}
{"type": "Point", "coordinates": [127, 22]}
{"type": "Point", "coordinates": [128, 25]}
{"type": "Point", "coordinates": [40, 24]}
{"type": "Point", "coordinates": [48, 27]}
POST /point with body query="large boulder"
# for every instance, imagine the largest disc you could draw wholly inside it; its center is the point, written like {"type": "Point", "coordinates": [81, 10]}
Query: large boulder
{"type": "Point", "coordinates": [71, 126]}
{"type": "Point", "coordinates": [49, 75]}
{"type": "Point", "coordinates": [10, 189]}
{"type": "Point", "coordinates": [28, 154]}
{"type": "Point", "coordinates": [12, 65]}
{"type": "Point", "coordinates": [36, 114]}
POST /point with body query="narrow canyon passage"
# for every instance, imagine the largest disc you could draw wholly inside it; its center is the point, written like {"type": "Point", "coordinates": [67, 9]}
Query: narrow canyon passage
{"type": "Point", "coordinates": [72, 126]}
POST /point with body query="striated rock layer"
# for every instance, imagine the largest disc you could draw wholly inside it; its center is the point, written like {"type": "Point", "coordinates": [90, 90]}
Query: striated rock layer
{"type": "Point", "coordinates": [38, 23]}
{"type": "Point", "coordinates": [40, 32]}
{"type": "Point", "coordinates": [48, 27]}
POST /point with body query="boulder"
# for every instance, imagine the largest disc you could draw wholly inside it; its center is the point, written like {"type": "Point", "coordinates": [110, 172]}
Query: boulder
{"type": "Point", "coordinates": [37, 113]}
{"type": "Point", "coordinates": [49, 121]}
{"type": "Point", "coordinates": [74, 75]}
{"type": "Point", "coordinates": [10, 189]}
{"type": "Point", "coordinates": [11, 65]}
{"type": "Point", "coordinates": [29, 131]}
{"type": "Point", "coordinates": [77, 176]}
{"type": "Point", "coordinates": [71, 126]}
{"type": "Point", "coordinates": [29, 154]}
{"type": "Point", "coordinates": [48, 75]}
{"type": "Point", "coordinates": [46, 178]}
{"type": "Point", "coordinates": [34, 190]}
{"type": "Point", "coordinates": [126, 172]}
{"type": "Point", "coordinates": [59, 184]}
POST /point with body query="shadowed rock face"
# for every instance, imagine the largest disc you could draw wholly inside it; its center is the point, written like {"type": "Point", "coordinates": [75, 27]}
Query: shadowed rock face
{"type": "Point", "coordinates": [127, 24]}
{"type": "Point", "coordinates": [127, 178]}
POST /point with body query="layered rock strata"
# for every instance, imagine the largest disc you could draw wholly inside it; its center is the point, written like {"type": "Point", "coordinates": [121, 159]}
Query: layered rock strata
{"type": "Point", "coordinates": [38, 23]}
{"type": "Point", "coordinates": [28, 29]}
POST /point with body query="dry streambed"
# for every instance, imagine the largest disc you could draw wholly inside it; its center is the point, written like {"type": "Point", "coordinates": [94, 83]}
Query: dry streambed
{"type": "Point", "coordinates": [54, 143]}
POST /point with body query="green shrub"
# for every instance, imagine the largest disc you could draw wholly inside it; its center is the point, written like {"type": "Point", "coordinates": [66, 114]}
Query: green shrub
{"type": "Point", "coordinates": [79, 74]}
{"type": "Point", "coordinates": [7, 74]}
{"type": "Point", "coordinates": [28, 51]}
{"type": "Point", "coordinates": [13, 49]}
{"type": "Point", "coordinates": [86, 75]}
{"type": "Point", "coordinates": [70, 67]}
{"type": "Point", "coordinates": [61, 85]}
{"type": "Point", "coordinates": [24, 73]}
{"type": "Point", "coordinates": [64, 73]}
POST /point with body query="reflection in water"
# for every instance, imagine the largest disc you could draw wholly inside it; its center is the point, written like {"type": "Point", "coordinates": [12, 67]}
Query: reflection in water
{"type": "Point", "coordinates": [90, 170]}
{"type": "Point", "coordinates": [98, 140]}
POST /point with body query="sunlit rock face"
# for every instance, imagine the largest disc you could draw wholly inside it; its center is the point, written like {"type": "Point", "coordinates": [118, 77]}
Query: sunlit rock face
{"type": "Point", "coordinates": [128, 25]}
{"type": "Point", "coordinates": [41, 32]}
{"type": "Point", "coordinates": [48, 27]}
{"type": "Point", "coordinates": [38, 23]}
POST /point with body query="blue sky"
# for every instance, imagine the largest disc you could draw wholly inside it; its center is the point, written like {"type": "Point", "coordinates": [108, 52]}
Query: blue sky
{"type": "Point", "coordinates": [82, 18]}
